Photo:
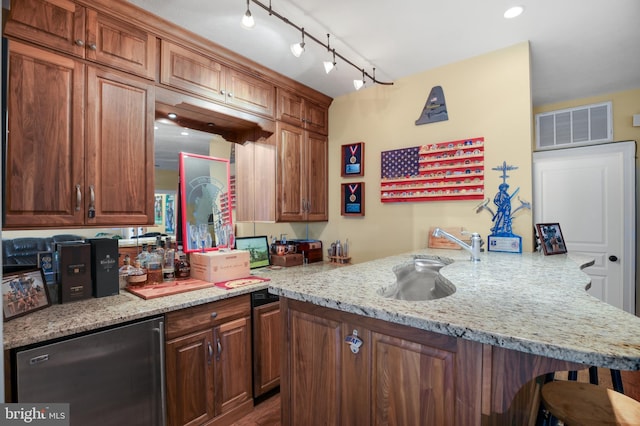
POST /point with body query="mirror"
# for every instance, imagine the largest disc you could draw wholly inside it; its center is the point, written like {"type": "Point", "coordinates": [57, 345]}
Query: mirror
{"type": "Point", "coordinates": [205, 219]}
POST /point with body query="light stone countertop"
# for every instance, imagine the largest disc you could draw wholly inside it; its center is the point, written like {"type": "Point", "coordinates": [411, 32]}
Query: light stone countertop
{"type": "Point", "coordinates": [86, 315]}
{"type": "Point", "coordinates": [526, 302]}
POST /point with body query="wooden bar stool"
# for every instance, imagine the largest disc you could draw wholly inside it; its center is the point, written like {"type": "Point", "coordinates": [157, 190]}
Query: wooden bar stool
{"type": "Point", "coordinates": [585, 404]}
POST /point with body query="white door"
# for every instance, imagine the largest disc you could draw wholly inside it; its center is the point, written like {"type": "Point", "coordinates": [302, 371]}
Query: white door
{"type": "Point", "coordinates": [590, 192]}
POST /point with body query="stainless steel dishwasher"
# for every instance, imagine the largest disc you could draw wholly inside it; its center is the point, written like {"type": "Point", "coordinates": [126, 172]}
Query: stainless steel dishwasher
{"type": "Point", "coordinates": [111, 377]}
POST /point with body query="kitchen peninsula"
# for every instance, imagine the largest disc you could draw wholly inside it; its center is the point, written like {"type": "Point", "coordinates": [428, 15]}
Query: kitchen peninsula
{"type": "Point", "coordinates": [457, 360]}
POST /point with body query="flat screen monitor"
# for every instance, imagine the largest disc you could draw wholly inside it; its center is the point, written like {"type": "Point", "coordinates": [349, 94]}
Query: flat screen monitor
{"type": "Point", "coordinates": [258, 248]}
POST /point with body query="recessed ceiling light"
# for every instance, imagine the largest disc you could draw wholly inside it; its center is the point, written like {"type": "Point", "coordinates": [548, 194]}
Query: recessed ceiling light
{"type": "Point", "coordinates": [172, 115]}
{"type": "Point", "coordinates": [513, 11]}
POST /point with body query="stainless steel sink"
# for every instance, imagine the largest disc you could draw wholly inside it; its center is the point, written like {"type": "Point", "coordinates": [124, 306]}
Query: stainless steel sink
{"type": "Point", "coordinates": [419, 280]}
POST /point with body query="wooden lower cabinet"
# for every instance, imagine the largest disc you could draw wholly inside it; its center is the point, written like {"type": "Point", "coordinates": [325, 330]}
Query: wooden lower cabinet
{"type": "Point", "coordinates": [208, 363]}
{"type": "Point", "coordinates": [267, 340]}
{"type": "Point", "coordinates": [399, 375]}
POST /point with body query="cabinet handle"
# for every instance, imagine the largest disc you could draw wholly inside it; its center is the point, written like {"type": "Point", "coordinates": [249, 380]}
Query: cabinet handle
{"type": "Point", "coordinates": [92, 203]}
{"type": "Point", "coordinates": [219, 349]}
{"type": "Point", "coordinates": [214, 314]}
{"type": "Point", "coordinates": [93, 46]}
{"type": "Point", "coordinates": [78, 198]}
{"type": "Point", "coordinates": [79, 42]}
{"type": "Point", "coordinates": [210, 353]}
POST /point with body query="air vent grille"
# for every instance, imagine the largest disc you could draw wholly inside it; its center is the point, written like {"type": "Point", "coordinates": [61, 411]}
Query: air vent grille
{"type": "Point", "coordinates": [583, 125]}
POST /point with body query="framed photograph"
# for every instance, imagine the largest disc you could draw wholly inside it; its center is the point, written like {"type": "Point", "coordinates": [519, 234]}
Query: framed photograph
{"type": "Point", "coordinates": [551, 238]}
{"type": "Point", "coordinates": [353, 159]}
{"type": "Point", "coordinates": [352, 199]}
{"type": "Point", "coordinates": [24, 292]}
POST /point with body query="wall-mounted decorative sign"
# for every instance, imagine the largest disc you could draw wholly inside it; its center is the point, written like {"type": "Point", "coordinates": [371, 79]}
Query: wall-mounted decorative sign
{"type": "Point", "coordinates": [434, 172]}
{"type": "Point", "coordinates": [435, 109]}
{"type": "Point", "coordinates": [352, 199]}
{"type": "Point", "coordinates": [353, 159]}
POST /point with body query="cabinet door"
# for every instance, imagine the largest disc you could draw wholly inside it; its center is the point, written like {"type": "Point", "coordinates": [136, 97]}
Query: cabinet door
{"type": "Point", "coordinates": [120, 45]}
{"type": "Point", "coordinates": [316, 175]}
{"type": "Point", "coordinates": [250, 94]}
{"type": "Point", "coordinates": [120, 160]}
{"type": "Point", "coordinates": [314, 371]}
{"type": "Point", "coordinates": [255, 181]}
{"type": "Point", "coordinates": [290, 107]}
{"type": "Point", "coordinates": [245, 183]}
{"type": "Point", "coordinates": [195, 73]}
{"type": "Point", "coordinates": [267, 335]}
{"type": "Point", "coordinates": [233, 365]}
{"type": "Point", "coordinates": [189, 371]}
{"type": "Point", "coordinates": [412, 383]}
{"type": "Point", "coordinates": [291, 186]}
{"type": "Point", "coordinates": [45, 149]}
{"type": "Point", "coordinates": [59, 24]}
{"type": "Point", "coordinates": [316, 118]}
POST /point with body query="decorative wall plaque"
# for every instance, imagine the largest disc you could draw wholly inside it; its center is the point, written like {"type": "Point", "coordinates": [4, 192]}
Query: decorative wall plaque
{"type": "Point", "coordinates": [352, 199]}
{"type": "Point", "coordinates": [353, 159]}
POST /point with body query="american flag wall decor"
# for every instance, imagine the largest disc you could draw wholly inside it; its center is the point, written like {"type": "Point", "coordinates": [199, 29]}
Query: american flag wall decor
{"type": "Point", "coordinates": [433, 172]}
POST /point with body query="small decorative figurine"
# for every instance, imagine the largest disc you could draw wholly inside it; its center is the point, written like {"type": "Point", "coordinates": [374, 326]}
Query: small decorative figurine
{"type": "Point", "coordinates": [502, 237]}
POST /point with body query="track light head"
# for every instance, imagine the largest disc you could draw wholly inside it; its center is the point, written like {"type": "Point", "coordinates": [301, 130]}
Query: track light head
{"type": "Point", "coordinates": [358, 84]}
{"type": "Point", "coordinates": [298, 48]}
{"type": "Point", "coordinates": [330, 65]}
{"type": "Point", "coordinates": [247, 19]}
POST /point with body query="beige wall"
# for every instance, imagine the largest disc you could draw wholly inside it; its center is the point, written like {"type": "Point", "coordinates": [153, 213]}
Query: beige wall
{"type": "Point", "coordinates": [624, 106]}
{"type": "Point", "coordinates": [487, 96]}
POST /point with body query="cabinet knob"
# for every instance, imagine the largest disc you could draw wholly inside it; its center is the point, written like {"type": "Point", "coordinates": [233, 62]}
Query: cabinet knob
{"type": "Point", "coordinates": [79, 42]}
{"type": "Point", "coordinates": [613, 258]}
{"type": "Point", "coordinates": [223, 92]}
{"type": "Point", "coordinates": [230, 94]}
{"type": "Point", "coordinates": [93, 46]}
{"type": "Point", "coordinates": [214, 314]}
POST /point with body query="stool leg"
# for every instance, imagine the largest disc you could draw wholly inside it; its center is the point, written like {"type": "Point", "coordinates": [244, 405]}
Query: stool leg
{"type": "Point", "coordinates": [616, 379]}
{"type": "Point", "coordinates": [593, 375]}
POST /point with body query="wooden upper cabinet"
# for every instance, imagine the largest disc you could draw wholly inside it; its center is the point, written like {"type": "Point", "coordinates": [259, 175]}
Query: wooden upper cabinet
{"type": "Point", "coordinates": [301, 175]}
{"type": "Point", "coordinates": [80, 144]}
{"type": "Point", "coordinates": [44, 163]}
{"type": "Point", "coordinates": [120, 154]}
{"type": "Point", "coordinates": [120, 45]}
{"type": "Point", "coordinates": [59, 24]}
{"type": "Point", "coordinates": [301, 111]}
{"type": "Point", "coordinates": [68, 27]}
{"type": "Point", "coordinates": [202, 75]}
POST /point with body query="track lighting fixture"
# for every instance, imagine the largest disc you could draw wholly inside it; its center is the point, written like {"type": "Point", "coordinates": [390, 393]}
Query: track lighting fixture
{"type": "Point", "coordinates": [247, 19]}
{"type": "Point", "coordinates": [358, 84]}
{"type": "Point", "coordinates": [298, 48]}
{"type": "Point", "coordinates": [329, 65]}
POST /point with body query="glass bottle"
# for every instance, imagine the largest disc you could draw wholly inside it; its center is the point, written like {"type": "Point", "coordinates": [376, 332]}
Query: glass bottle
{"type": "Point", "coordinates": [154, 266]}
{"type": "Point", "coordinates": [125, 270]}
{"type": "Point", "coordinates": [138, 275]}
{"type": "Point", "coordinates": [142, 256]}
{"type": "Point", "coordinates": [183, 267]}
{"type": "Point", "coordinates": [168, 266]}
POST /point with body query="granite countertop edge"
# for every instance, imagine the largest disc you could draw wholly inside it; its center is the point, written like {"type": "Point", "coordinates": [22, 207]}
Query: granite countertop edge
{"type": "Point", "coordinates": [527, 302]}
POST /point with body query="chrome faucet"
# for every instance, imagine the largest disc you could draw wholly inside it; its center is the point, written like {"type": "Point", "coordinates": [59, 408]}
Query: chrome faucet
{"type": "Point", "coordinates": [474, 248]}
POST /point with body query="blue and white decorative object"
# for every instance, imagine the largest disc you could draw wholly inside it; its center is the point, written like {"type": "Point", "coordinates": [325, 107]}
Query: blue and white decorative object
{"type": "Point", "coordinates": [502, 237]}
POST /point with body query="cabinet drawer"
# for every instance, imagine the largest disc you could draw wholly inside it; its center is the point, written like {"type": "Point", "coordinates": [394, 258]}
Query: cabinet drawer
{"type": "Point", "coordinates": [208, 315]}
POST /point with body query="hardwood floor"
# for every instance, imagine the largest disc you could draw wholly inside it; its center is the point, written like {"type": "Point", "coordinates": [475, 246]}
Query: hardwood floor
{"type": "Point", "coordinates": [266, 413]}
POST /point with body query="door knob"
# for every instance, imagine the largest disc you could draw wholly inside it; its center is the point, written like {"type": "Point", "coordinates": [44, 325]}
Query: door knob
{"type": "Point", "coordinates": [613, 258]}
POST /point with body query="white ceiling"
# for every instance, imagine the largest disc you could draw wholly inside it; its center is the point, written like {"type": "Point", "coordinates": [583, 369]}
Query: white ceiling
{"type": "Point", "coordinates": [579, 48]}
